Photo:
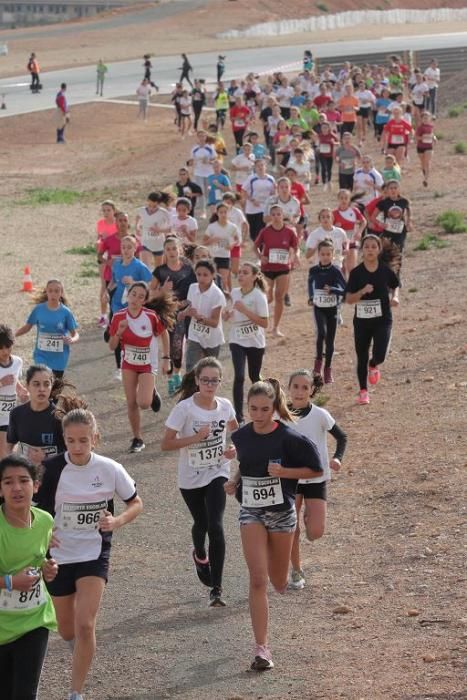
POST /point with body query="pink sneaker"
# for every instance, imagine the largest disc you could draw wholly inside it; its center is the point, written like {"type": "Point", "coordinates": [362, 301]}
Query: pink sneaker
{"type": "Point", "coordinates": [374, 375]}
{"type": "Point", "coordinates": [363, 397]}
{"type": "Point", "coordinates": [328, 378]}
{"type": "Point", "coordinates": [103, 322]}
{"type": "Point", "coordinates": [263, 659]}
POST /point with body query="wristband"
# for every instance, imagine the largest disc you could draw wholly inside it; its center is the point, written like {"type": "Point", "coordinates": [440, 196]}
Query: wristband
{"type": "Point", "coordinates": [8, 582]}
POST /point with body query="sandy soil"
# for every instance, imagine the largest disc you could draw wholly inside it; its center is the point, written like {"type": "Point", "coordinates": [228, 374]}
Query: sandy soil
{"type": "Point", "coordinates": [394, 548]}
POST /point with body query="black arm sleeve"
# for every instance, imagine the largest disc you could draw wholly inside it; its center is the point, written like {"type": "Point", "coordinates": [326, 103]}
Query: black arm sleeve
{"type": "Point", "coordinates": [341, 440]}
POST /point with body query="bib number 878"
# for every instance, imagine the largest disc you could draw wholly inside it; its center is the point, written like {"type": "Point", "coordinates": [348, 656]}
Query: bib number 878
{"type": "Point", "coordinates": [26, 596]}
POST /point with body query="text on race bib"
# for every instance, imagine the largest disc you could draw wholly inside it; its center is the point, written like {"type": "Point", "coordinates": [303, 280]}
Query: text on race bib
{"type": "Point", "coordinates": [397, 139]}
{"type": "Point", "coordinates": [7, 404]}
{"type": "Point", "coordinates": [279, 256]}
{"type": "Point", "coordinates": [82, 516]}
{"type": "Point", "coordinates": [427, 138]}
{"type": "Point", "coordinates": [137, 356]}
{"type": "Point", "coordinates": [29, 451]}
{"type": "Point", "coordinates": [207, 454]}
{"type": "Point", "coordinates": [50, 342]}
{"type": "Point", "coordinates": [323, 300]}
{"type": "Point", "coordinates": [262, 492]}
{"type": "Point", "coordinates": [371, 308]}
{"type": "Point", "coordinates": [246, 330]}
{"type": "Point", "coordinates": [325, 148]}
{"type": "Point", "coordinates": [347, 163]}
{"type": "Point", "coordinates": [394, 225]}
{"type": "Point", "coordinates": [12, 601]}
{"type": "Point", "coordinates": [200, 330]}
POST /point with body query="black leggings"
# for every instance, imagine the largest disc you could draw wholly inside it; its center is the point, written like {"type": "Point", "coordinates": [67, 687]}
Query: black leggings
{"type": "Point", "coordinates": [197, 109]}
{"type": "Point", "coordinates": [176, 336]}
{"type": "Point", "coordinates": [238, 136]}
{"type": "Point", "coordinates": [207, 505]}
{"type": "Point", "coordinates": [241, 355]}
{"type": "Point", "coordinates": [255, 223]}
{"type": "Point", "coordinates": [364, 333]}
{"type": "Point", "coordinates": [21, 664]}
{"type": "Point", "coordinates": [326, 326]}
{"type": "Point", "coordinates": [326, 168]}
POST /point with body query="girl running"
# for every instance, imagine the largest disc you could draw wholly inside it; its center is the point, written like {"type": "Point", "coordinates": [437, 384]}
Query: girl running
{"type": "Point", "coordinates": [351, 220]}
{"type": "Point", "coordinates": [314, 423]}
{"type": "Point", "coordinates": [107, 226]}
{"type": "Point", "coordinates": [221, 235]}
{"type": "Point", "coordinates": [56, 328]}
{"type": "Point", "coordinates": [236, 216]}
{"type": "Point", "coordinates": [249, 317]}
{"type": "Point", "coordinates": [327, 142]}
{"type": "Point", "coordinates": [396, 135]}
{"type": "Point", "coordinates": [206, 301]}
{"type": "Point", "coordinates": [10, 386]}
{"type": "Point", "coordinates": [272, 457]}
{"type": "Point", "coordinates": [26, 611]}
{"type": "Point", "coordinates": [184, 225]}
{"type": "Point", "coordinates": [374, 289]}
{"type": "Point", "coordinates": [126, 271]}
{"type": "Point", "coordinates": [133, 329]}
{"type": "Point", "coordinates": [425, 140]}
{"type": "Point", "coordinates": [326, 229]}
{"type": "Point", "coordinates": [78, 490]}
{"type": "Point", "coordinates": [326, 287]}
{"type": "Point", "coordinates": [152, 225]}
{"type": "Point", "coordinates": [366, 100]}
{"type": "Point", "coordinates": [395, 213]}
{"type": "Point", "coordinates": [197, 426]}
{"type": "Point", "coordinates": [185, 114]}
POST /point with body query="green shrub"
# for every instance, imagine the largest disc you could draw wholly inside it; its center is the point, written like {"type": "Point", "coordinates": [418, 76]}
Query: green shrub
{"type": "Point", "coordinates": [88, 249]}
{"type": "Point", "coordinates": [429, 241]}
{"type": "Point", "coordinates": [43, 195]}
{"type": "Point", "coordinates": [455, 112]}
{"type": "Point", "coordinates": [321, 6]}
{"type": "Point", "coordinates": [452, 221]}
{"type": "Point", "coordinates": [460, 148]}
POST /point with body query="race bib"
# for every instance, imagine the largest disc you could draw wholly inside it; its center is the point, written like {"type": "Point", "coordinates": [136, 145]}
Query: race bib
{"type": "Point", "coordinates": [394, 225]}
{"type": "Point", "coordinates": [397, 139]}
{"type": "Point", "coordinates": [125, 295]}
{"type": "Point", "coordinates": [199, 330]}
{"type": "Point", "coordinates": [137, 356]}
{"type": "Point", "coordinates": [239, 122]}
{"type": "Point", "coordinates": [325, 148]}
{"type": "Point", "coordinates": [279, 256]}
{"type": "Point", "coordinates": [29, 450]}
{"type": "Point", "coordinates": [427, 138]}
{"type": "Point", "coordinates": [371, 308]}
{"type": "Point", "coordinates": [218, 194]}
{"type": "Point", "coordinates": [382, 112]}
{"type": "Point", "coordinates": [347, 163]}
{"type": "Point", "coordinates": [7, 404]}
{"type": "Point", "coordinates": [261, 493]}
{"type": "Point", "coordinates": [13, 601]}
{"type": "Point", "coordinates": [82, 516]}
{"type": "Point", "coordinates": [50, 342]}
{"type": "Point", "coordinates": [207, 454]}
{"type": "Point", "coordinates": [323, 300]}
{"type": "Point", "coordinates": [246, 330]}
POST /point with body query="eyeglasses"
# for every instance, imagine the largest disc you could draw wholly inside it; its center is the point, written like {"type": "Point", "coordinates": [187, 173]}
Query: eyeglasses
{"type": "Point", "coordinates": [206, 381]}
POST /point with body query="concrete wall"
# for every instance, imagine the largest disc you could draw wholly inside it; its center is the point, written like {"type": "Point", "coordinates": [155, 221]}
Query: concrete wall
{"type": "Point", "coordinates": [15, 14]}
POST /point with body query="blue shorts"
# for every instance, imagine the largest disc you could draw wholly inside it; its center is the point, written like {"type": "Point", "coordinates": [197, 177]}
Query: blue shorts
{"type": "Point", "coordinates": [272, 520]}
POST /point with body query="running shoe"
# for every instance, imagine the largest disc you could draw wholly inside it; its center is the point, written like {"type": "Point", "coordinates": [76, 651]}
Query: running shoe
{"type": "Point", "coordinates": [118, 375]}
{"type": "Point", "coordinates": [177, 380]}
{"type": "Point", "coordinates": [374, 375]}
{"type": "Point", "coordinates": [171, 386]}
{"type": "Point", "coordinates": [156, 402]}
{"type": "Point", "coordinates": [137, 445]}
{"type": "Point", "coordinates": [103, 322]}
{"type": "Point", "coordinates": [203, 569]}
{"type": "Point", "coordinates": [363, 397]}
{"type": "Point", "coordinates": [263, 659]}
{"type": "Point", "coordinates": [297, 580]}
{"type": "Point", "coordinates": [215, 598]}
{"type": "Point", "coordinates": [328, 378]}
{"type": "Point", "coordinates": [75, 696]}
{"type": "Point", "coordinates": [287, 301]}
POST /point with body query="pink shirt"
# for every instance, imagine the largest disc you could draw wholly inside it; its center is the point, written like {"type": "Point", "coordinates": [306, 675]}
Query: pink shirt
{"type": "Point", "coordinates": [105, 229]}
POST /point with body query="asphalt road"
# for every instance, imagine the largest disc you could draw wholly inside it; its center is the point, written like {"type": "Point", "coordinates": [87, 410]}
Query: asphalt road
{"type": "Point", "coordinates": [124, 76]}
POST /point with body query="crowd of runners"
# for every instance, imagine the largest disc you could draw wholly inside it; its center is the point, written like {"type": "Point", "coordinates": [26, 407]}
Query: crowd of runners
{"type": "Point", "coordinates": [218, 246]}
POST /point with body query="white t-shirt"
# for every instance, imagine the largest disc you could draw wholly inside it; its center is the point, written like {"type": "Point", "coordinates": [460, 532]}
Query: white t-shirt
{"type": "Point", "coordinates": [303, 171]}
{"type": "Point", "coordinates": [260, 188]}
{"type": "Point", "coordinates": [291, 208]}
{"type": "Point", "coordinates": [200, 154]}
{"type": "Point", "coordinates": [365, 98]}
{"type": "Point", "coordinates": [201, 463]}
{"type": "Point", "coordinates": [204, 303]}
{"type": "Point", "coordinates": [418, 94]}
{"type": "Point", "coordinates": [185, 106]}
{"type": "Point", "coordinates": [368, 182]}
{"type": "Point", "coordinates": [179, 225]}
{"type": "Point", "coordinates": [81, 497]}
{"type": "Point", "coordinates": [237, 217]}
{"type": "Point", "coordinates": [229, 236]}
{"type": "Point", "coordinates": [243, 331]}
{"type": "Point", "coordinates": [315, 427]}
{"type": "Point", "coordinates": [8, 392]}
{"type": "Point", "coordinates": [143, 92]}
{"type": "Point", "coordinates": [243, 161]}
{"type": "Point", "coordinates": [337, 236]}
{"type": "Point", "coordinates": [284, 95]}
{"type": "Point", "coordinates": [161, 219]}
{"type": "Point", "coordinates": [432, 76]}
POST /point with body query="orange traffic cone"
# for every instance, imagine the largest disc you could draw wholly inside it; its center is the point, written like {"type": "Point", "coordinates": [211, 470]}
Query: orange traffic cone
{"type": "Point", "coordinates": [27, 280]}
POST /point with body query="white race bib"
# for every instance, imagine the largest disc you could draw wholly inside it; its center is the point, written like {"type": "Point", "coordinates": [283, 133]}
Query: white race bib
{"type": "Point", "coordinates": [12, 601]}
{"type": "Point", "coordinates": [50, 342]}
{"type": "Point", "coordinates": [200, 330]}
{"type": "Point", "coordinates": [125, 295]}
{"type": "Point", "coordinates": [246, 330]}
{"type": "Point", "coordinates": [262, 492]}
{"type": "Point", "coordinates": [382, 112]}
{"type": "Point", "coordinates": [347, 163]}
{"type": "Point", "coordinates": [137, 356]}
{"type": "Point", "coordinates": [207, 454]}
{"type": "Point", "coordinates": [371, 308]}
{"type": "Point", "coordinates": [323, 300]}
{"type": "Point", "coordinates": [325, 148]}
{"type": "Point", "coordinates": [239, 122]}
{"type": "Point", "coordinates": [397, 139]}
{"type": "Point", "coordinates": [279, 256]}
{"type": "Point", "coordinates": [7, 404]}
{"type": "Point", "coordinates": [218, 194]}
{"type": "Point", "coordinates": [394, 225]}
{"type": "Point", "coordinates": [427, 138]}
{"type": "Point", "coordinates": [47, 450]}
{"type": "Point", "coordinates": [82, 516]}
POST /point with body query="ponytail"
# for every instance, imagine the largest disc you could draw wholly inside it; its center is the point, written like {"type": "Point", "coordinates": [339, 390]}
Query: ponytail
{"type": "Point", "coordinates": [260, 280]}
{"type": "Point", "coordinates": [65, 398]}
{"type": "Point", "coordinates": [272, 389]}
{"type": "Point", "coordinates": [165, 305]}
{"type": "Point", "coordinates": [316, 382]}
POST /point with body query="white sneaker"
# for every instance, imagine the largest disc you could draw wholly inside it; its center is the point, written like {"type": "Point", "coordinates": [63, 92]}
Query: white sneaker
{"type": "Point", "coordinates": [103, 322]}
{"type": "Point", "coordinates": [118, 375]}
{"type": "Point", "coordinates": [297, 581]}
{"type": "Point", "coordinates": [75, 696]}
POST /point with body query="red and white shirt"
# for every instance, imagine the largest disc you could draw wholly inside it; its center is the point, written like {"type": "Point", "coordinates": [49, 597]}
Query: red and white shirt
{"type": "Point", "coordinates": [136, 338]}
{"type": "Point", "coordinates": [348, 219]}
{"type": "Point", "coordinates": [398, 132]}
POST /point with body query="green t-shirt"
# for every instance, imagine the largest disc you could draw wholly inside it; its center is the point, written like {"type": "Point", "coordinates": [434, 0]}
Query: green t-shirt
{"type": "Point", "coordinates": [311, 116]}
{"type": "Point", "coordinates": [391, 174]}
{"type": "Point", "coordinates": [21, 548]}
{"type": "Point", "coordinates": [101, 70]}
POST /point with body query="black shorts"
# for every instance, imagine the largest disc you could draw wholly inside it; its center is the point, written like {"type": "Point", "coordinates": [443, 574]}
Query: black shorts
{"type": "Point", "coordinates": [424, 149]}
{"type": "Point", "coordinates": [316, 490]}
{"type": "Point", "coordinates": [272, 275]}
{"type": "Point", "coordinates": [65, 581]}
{"type": "Point", "coordinates": [363, 112]}
{"type": "Point", "coordinates": [3, 428]}
{"type": "Point", "coordinates": [303, 221]}
{"type": "Point", "coordinates": [222, 263]}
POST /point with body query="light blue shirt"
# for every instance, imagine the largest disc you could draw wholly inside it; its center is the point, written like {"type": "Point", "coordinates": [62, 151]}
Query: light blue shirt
{"type": "Point", "coordinates": [52, 325]}
{"type": "Point", "coordinates": [215, 193]}
{"type": "Point", "coordinates": [137, 270]}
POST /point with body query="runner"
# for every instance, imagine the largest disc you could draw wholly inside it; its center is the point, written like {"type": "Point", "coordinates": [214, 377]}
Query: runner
{"type": "Point", "coordinates": [78, 490]}
{"type": "Point", "coordinates": [382, 112]}
{"type": "Point", "coordinates": [197, 426]}
{"type": "Point", "coordinates": [221, 235]}
{"type": "Point", "coordinates": [272, 457]}
{"type": "Point", "coordinates": [348, 156]}
{"type": "Point", "coordinates": [143, 93]}
{"type": "Point", "coordinates": [218, 183]}
{"type": "Point", "coordinates": [419, 94]}
{"type": "Point", "coordinates": [221, 105]}
{"type": "Point", "coordinates": [348, 106]}
{"type": "Point", "coordinates": [147, 65]}
{"type": "Point", "coordinates": [185, 114]}
{"type": "Point", "coordinates": [249, 317]}
{"type": "Point", "coordinates": [327, 142]}
{"type": "Point", "coordinates": [277, 246]}
{"type": "Point", "coordinates": [425, 139]}
{"type": "Point", "coordinates": [326, 287]}
{"type": "Point", "coordinates": [367, 182]}
{"type": "Point", "coordinates": [391, 170]}
{"type": "Point", "coordinates": [198, 101]}
{"type": "Point", "coordinates": [396, 135]}
{"type": "Point", "coordinates": [203, 155]}
{"type": "Point", "coordinates": [184, 187]}
{"type": "Point", "coordinates": [236, 216]}
{"type": "Point", "coordinates": [107, 226]}
{"type": "Point", "coordinates": [351, 220]}
{"type": "Point", "coordinates": [374, 289]}
{"type": "Point", "coordinates": [326, 229]}
{"type": "Point", "coordinates": [395, 212]}
{"type": "Point", "coordinates": [26, 611]}
{"type": "Point", "coordinates": [184, 225]}
{"type": "Point", "coordinates": [243, 165]}
{"type": "Point", "coordinates": [33, 425]}
{"type": "Point", "coordinates": [255, 191]}
{"type": "Point", "coordinates": [125, 271]}
{"type": "Point", "coordinates": [10, 385]}
{"type": "Point", "coordinates": [133, 329]}
{"type": "Point", "coordinates": [174, 276]}
{"type": "Point", "coordinates": [175, 98]}
{"type": "Point", "coordinates": [205, 334]}
{"type": "Point", "coordinates": [186, 69]}
{"type": "Point", "coordinates": [314, 423]}
{"type": "Point", "coordinates": [56, 327]}
{"type": "Point", "coordinates": [366, 100]}
{"type": "Point", "coordinates": [239, 116]}
{"type": "Point", "coordinates": [152, 224]}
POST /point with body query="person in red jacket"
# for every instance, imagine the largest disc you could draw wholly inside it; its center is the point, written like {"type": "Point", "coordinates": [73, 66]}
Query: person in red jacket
{"type": "Point", "coordinates": [239, 116]}
{"type": "Point", "coordinates": [62, 113]}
